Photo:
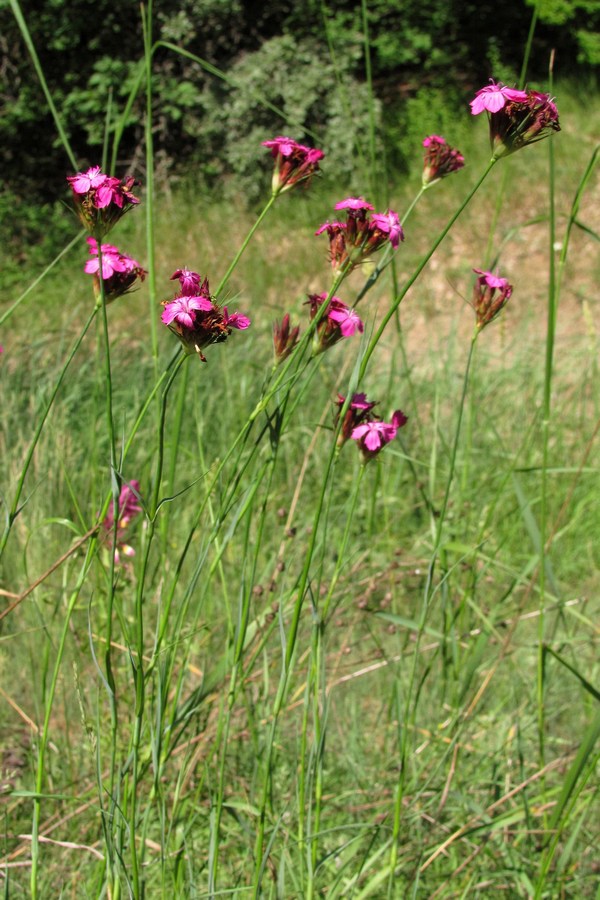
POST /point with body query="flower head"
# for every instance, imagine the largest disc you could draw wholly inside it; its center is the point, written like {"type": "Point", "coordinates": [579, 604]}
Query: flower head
{"type": "Point", "coordinates": [128, 508]}
{"type": "Point", "coordinates": [355, 240]}
{"type": "Point", "coordinates": [337, 322]}
{"type": "Point", "coordinates": [196, 318]}
{"type": "Point", "coordinates": [516, 118]}
{"type": "Point", "coordinates": [358, 410]}
{"type": "Point", "coordinates": [285, 338]}
{"type": "Point", "coordinates": [440, 159]}
{"type": "Point", "coordinates": [372, 435]}
{"type": "Point", "coordinates": [490, 294]}
{"type": "Point", "coordinates": [100, 199]}
{"type": "Point", "coordinates": [293, 162]}
{"type": "Point", "coordinates": [119, 271]}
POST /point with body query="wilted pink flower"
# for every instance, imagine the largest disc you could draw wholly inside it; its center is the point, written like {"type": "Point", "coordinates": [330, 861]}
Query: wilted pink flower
{"type": "Point", "coordinates": [440, 159]}
{"type": "Point", "coordinates": [372, 435]}
{"type": "Point", "coordinates": [357, 412]}
{"type": "Point", "coordinates": [285, 338]}
{"type": "Point", "coordinates": [490, 294]}
{"type": "Point", "coordinates": [101, 200]}
{"type": "Point", "coordinates": [235, 320]}
{"type": "Point", "coordinates": [523, 118]}
{"type": "Point", "coordinates": [128, 507]}
{"type": "Point", "coordinates": [190, 281]}
{"type": "Point", "coordinates": [293, 162]}
{"type": "Point", "coordinates": [119, 271]}
{"type": "Point", "coordinates": [494, 96]}
{"type": "Point", "coordinates": [355, 240]}
{"type": "Point", "coordinates": [198, 320]}
{"type": "Point", "coordinates": [336, 323]}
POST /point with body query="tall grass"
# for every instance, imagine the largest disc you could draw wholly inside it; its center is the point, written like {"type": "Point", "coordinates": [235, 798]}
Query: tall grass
{"type": "Point", "coordinates": [315, 677]}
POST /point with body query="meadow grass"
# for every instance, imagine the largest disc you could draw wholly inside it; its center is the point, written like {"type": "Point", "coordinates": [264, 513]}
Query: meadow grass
{"type": "Point", "coordinates": [314, 678]}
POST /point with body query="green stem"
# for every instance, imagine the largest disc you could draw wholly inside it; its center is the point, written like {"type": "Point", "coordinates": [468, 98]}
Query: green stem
{"type": "Point", "coordinates": [245, 243]}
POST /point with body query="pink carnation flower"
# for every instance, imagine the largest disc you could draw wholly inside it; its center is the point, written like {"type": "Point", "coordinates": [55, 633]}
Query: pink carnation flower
{"type": "Point", "coordinates": [119, 271]}
{"type": "Point", "coordinates": [490, 294]}
{"type": "Point", "coordinates": [294, 163]}
{"type": "Point", "coordinates": [373, 435]}
{"type": "Point", "coordinates": [128, 508]}
{"type": "Point", "coordinates": [494, 97]}
{"type": "Point", "coordinates": [440, 159]}
{"type": "Point", "coordinates": [357, 411]}
{"type": "Point", "coordinates": [87, 181]}
{"type": "Point", "coordinates": [101, 200]}
{"type": "Point", "coordinates": [182, 309]}
{"type": "Point", "coordinates": [336, 323]}
{"type": "Point", "coordinates": [388, 224]}
{"type": "Point", "coordinates": [355, 203]}
{"type": "Point", "coordinates": [197, 319]}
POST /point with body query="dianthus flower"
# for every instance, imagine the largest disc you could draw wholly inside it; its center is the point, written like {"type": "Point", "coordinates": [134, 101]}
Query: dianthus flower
{"type": "Point", "coordinates": [372, 435]}
{"type": "Point", "coordinates": [517, 118]}
{"type": "Point", "coordinates": [128, 507]}
{"type": "Point", "coordinates": [336, 323]}
{"type": "Point", "coordinates": [101, 200]}
{"type": "Point", "coordinates": [440, 159]}
{"type": "Point", "coordinates": [490, 294]}
{"type": "Point", "coordinates": [196, 318]}
{"type": "Point", "coordinates": [294, 163]}
{"type": "Point", "coordinates": [355, 240]}
{"type": "Point", "coordinates": [285, 338]}
{"type": "Point", "coordinates": [119, 271]}
{"type": "Point", "coordinates": [357, 411]}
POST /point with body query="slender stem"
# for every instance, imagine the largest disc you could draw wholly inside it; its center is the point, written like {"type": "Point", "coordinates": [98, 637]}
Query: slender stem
{"type": "Point", "coordinates": [150, 243]}
{"type": "Point", "coordinates": [245, 243]}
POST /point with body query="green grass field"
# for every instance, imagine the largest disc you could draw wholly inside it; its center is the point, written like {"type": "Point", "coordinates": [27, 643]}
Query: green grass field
{"type": "Point", "coordinates": [313, 678]}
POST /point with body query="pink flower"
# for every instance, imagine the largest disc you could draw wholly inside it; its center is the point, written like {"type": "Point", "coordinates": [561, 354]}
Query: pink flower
{"type": "Point", "coordinates": [235, 320]}
{"type": "Point", "coordinates": [336, 323]}
{"type": "Point", "coordinates": [357, 412]}
{"type": "Point", "coordinates": [128, 508]}
{"type": "Point", "coordinates": [293, 163]}
{"type": "Point", "coordinates": [387, 224]}
{"type": "Point", "coordinates": [182, 309]}
{"type": "Point", "coordinates": [522, 118]}
{"type": "Point", "coordinates": [348, 321]}
{"type": "Point", "coordinates": [189, 281]}
{"type": "Point", "coordinates": [119, 271]}
{"type": "Point", "coordinates": [198, 320]}
{"type": "Point", "coordinates": [490, 294]}
{"type": "Point", "coordinates": [494, 97]}
{"type": "Point", "coordinates": [440, 159]}
{"type": "Point", "coordinates": [356, 203]}
{"type": "Point", "coordinates": [372, 435]}
{"type": "Point", "coordinates": [100, 199]}
{"type": "Point", "coordinates": [87, 181]}
{"type": "Point", "coordinates": [355, 240]}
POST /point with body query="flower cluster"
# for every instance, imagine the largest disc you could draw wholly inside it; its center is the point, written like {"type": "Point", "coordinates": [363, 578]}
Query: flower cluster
{"type": "Point", "coordinates": [119, 271]}
{"type": "Point", "coordinates": [101, 199]}
{"type": "Point", "coordinates": [369, 431]}
{"type": "Point", "coordinates": [517, 118]}
{"type": "Point", "coordinates": [294, 163]}
{"type": "Point", "coordinates": [337, 322]}
{"type": "Point", "coordinates": [490, 295]}
{"type": "Point", "coordinates": [195, 317]}
{"type": "Point", "coordinates": [440, 159]}
{"type": "Point", "coordinates": [129, 507]}
{"type": "Point", "coordinates": [355, 240]}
